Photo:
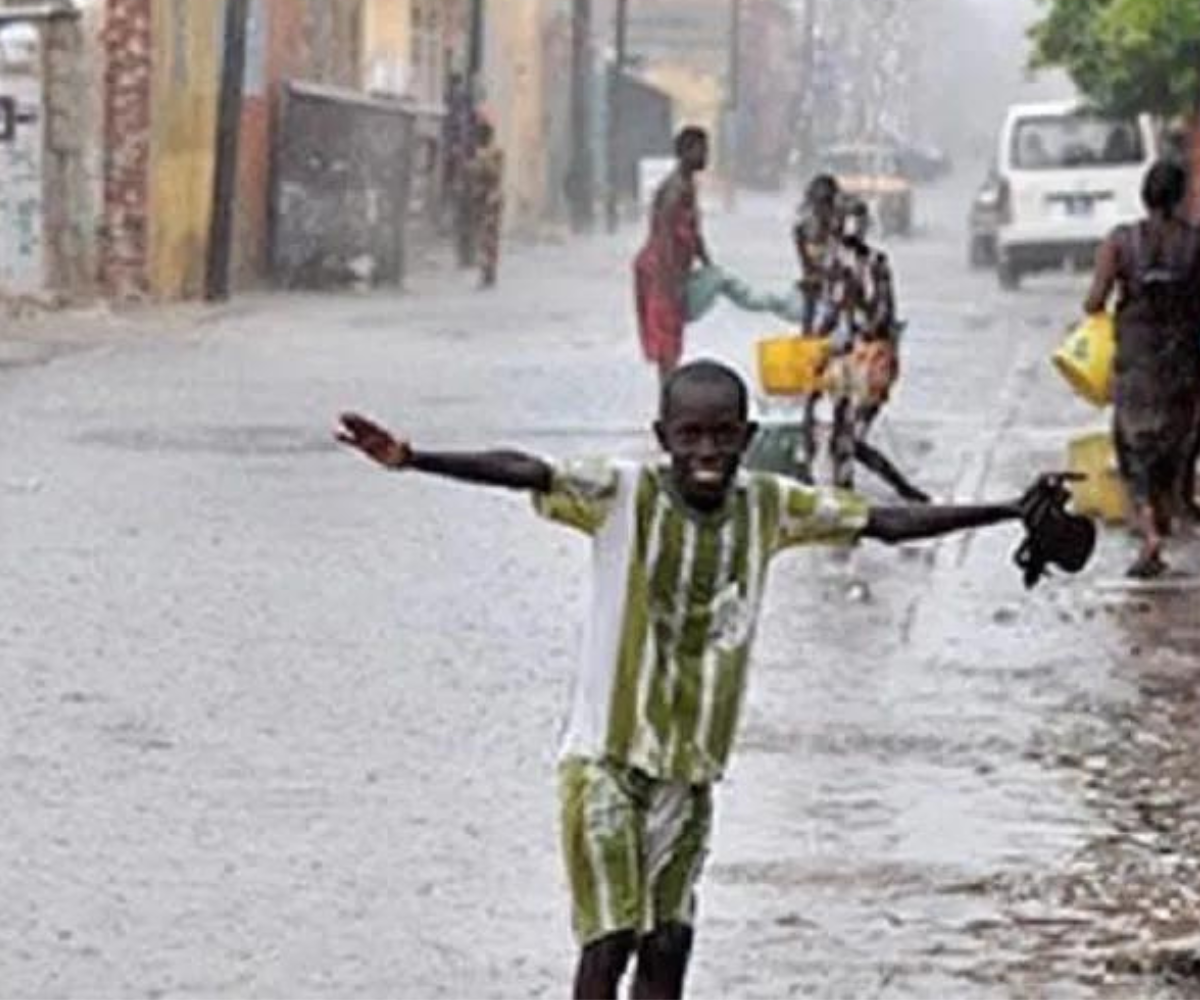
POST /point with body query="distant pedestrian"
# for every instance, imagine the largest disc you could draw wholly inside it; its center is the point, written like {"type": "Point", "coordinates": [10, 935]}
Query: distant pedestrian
{"type": "Point", "coordinates": [673, 248]}
{"type": "Point", "coordinates": [681, 549]}
{"type": "Point", "coordinates": [864, 370]}
{"type": "Point", "coordinates": [485, 184]}
{"type": "Point", "coordinates": [817, 236]}
{"type": "Point", "coordinates": [1154, 267]}
{"type": "Point", "coordinates": [818, 240]}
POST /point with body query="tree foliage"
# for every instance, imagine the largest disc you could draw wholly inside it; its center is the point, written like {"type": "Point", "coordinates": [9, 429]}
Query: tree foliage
{"type": "Point", "coordinates": [1125, 55]}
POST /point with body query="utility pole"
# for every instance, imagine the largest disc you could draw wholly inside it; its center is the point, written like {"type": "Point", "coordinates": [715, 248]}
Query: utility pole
{"type": "Point", "coordinates": [475, 52]}
{"type": "Point", "coordinates": [733, 98]}
{"type": "Point", "coordinates": [582, 179]}
{"type": "Point", "coordinates": [616, 82]}
{"type": "Point", "coordinates": [229, 120]}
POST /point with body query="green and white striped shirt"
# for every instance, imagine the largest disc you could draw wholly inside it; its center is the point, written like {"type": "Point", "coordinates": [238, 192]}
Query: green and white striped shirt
{"type": "Point", "coordinates": [675, 601]}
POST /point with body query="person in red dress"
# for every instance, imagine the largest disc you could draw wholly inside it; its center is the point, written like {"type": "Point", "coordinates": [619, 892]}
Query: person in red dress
{"type": "Point", "coordinates": [671, 251]}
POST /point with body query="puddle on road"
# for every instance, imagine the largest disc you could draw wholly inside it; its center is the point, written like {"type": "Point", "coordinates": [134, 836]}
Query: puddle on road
{"type": "Point", "coordinates": [1011, 807]}
{"type": "Point", "coordinates": [1133, 887]}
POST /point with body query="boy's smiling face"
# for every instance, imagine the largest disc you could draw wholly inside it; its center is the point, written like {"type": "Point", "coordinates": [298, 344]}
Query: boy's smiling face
{"type": "Point", "coordinates": [704, 428]}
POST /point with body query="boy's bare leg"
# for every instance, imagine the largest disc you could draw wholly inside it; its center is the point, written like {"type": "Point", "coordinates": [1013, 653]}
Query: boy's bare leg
{"type": "Point", "coordinates": [841, 444]}
{"type": "Point", "coordinates": [882, 466]}
{"type": "Point", "coordinates": [601, 966]}
{"type": "Point", "coordinates": [808, 437]}
{"type": "Point", "coordinates": [662, 963]}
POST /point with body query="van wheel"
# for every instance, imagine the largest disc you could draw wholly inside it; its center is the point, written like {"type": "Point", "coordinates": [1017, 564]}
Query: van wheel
{"type": "Point", "coordinates": [1009, 275]}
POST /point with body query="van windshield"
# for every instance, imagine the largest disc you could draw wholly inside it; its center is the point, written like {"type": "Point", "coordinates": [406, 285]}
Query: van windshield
{"type": "Point", "coordinates": [1061, 141]}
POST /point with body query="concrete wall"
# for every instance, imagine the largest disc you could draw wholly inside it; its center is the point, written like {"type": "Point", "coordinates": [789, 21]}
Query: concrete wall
{"type": "Point", "coordinates": [341, 189]}
{"type": "Point", "coordinates": [50, 172]}
{"type": "Point", "coordinates": [23, 194]}
{"type": "Point", "coordinates": [74, 151]}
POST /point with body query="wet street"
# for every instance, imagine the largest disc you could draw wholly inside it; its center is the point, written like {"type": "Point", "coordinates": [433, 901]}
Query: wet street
{"type": "Point", "coordinates": [278, 724]}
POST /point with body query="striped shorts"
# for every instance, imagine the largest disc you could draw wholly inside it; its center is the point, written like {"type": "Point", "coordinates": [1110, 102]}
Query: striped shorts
{"type": "Point", "coordinates": [634, 847]}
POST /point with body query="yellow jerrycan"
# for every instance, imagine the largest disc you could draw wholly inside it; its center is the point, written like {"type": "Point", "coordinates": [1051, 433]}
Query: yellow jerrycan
{"type": "Point", "coordinates": [1085, 359]}
{"type": "Point", "coordinates": [791, 365]}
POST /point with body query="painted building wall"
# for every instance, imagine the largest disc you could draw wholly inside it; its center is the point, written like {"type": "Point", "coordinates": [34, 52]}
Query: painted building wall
{"type": "Point", "coordinates": [514, 101]}
{"type": "Point", "coordinates": [254, 146]}
{"type": "Point", "coordinates": [698, 97]}
{"type": "Point", "coordinates": [312, 40]}
{"type": "Point", "coordinates": [125, 243]}
{"type": "Point", "coordinates": [187, 40]}
{"type": "Point", "coordinates": [276, 50]}
{"type": "Point", "coordinates": [387, 43]}
{"type": "Point", "coordinates": [333, 41]}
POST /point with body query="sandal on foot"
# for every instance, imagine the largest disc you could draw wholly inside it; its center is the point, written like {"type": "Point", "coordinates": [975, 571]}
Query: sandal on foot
{"type": "Point", "coordinates": [1148, 566]}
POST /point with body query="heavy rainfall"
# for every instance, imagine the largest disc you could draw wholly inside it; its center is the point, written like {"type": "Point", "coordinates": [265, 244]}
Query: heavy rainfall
{"type": "Point", "coordinates": [295, 706]}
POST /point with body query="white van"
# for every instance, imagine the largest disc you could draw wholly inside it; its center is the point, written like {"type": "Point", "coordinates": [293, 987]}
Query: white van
{"type": "Point", "coordinates": [1067, 176]}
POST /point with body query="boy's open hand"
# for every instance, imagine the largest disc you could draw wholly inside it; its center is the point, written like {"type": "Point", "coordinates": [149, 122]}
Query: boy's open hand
{"type": "Point", "coordinates": [374, 441]}
{"type": "Point", "coordinates": [1049, 489]}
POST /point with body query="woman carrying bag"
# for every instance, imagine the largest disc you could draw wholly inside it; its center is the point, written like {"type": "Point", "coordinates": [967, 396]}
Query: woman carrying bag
{"type": "Point", "coordinates": [1154, 268]}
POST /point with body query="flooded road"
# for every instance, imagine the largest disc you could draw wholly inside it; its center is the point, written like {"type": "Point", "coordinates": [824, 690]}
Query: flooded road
{"type": "Point", "coordinates": [278, 724]}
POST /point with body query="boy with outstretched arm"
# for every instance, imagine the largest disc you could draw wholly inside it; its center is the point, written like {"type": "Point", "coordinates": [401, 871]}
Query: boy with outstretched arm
{"type": "Point", "coordinates": [680, 557]}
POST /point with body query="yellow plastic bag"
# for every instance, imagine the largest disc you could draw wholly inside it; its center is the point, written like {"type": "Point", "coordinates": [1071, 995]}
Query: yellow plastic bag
{"type": "Point", "coordinates": [793, 365]}
{"type": "Point", "coordinates": [1085, 359]}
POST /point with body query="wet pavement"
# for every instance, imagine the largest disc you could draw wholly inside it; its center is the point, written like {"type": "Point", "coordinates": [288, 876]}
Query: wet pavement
{"type": "Point", "coordinates": [278, 724]}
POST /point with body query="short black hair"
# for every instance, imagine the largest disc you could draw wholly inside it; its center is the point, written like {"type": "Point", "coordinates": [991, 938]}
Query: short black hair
{"type": "Point", "coordinates": [1164, 187]}
{"type": "Point", "coordinates": [688, 136]}
{"type": "Point", "coordinates": [823, 187]}
{"type": "Point", "coordinates": [704, 372]}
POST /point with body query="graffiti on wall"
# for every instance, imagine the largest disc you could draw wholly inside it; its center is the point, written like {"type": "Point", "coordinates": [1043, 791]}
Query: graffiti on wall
{"type": "Point", "coordinates": [22, 227]}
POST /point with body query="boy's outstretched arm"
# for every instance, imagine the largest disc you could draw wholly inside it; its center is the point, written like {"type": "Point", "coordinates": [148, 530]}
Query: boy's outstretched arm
{"type": "Point", "coordinates": [510, 469]}
{"type": "Point", "coordinates": [908, 524]}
